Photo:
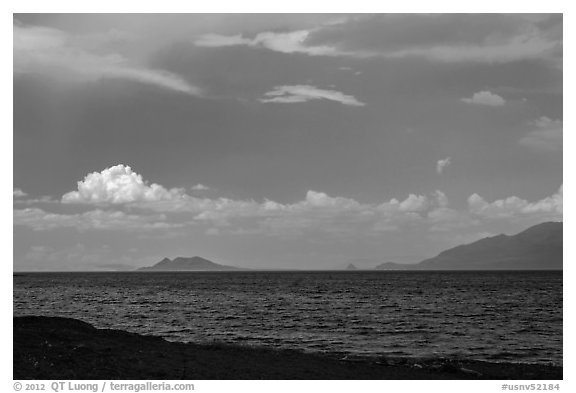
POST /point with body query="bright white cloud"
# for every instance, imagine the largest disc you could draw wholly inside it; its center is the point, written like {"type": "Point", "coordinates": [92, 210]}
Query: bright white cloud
{"type": "Point", "coordinates": [485, 98]}
{"type": "Point", "coordinates": [549, 208]}
{"type": "Point", "coordinates": [121, 187]}
{"type": "Point", "coordinates": [304, 93]}
{"type": "Point", "coordinates": [547, 135]}
{"type": "Point", "coordinates": [442, 164]}
{"type": "Point", "coordinates": [116, 185]}
{"type": "Point", "coordinates": [52, 52]}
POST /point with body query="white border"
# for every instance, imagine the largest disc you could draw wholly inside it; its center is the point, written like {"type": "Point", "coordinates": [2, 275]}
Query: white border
{"type": "Point", "coordinates": [324, 6]}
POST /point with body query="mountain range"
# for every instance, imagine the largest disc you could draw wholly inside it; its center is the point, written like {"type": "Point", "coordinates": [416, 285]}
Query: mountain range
{"type": "Point", "coordinates": [537, 248]}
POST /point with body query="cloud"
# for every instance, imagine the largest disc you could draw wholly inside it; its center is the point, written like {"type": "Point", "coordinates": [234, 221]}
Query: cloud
{"type": "Point", "coordinates": [439, 38]}
{"type": "Point", "coordinates": [23, 198]}
{"type": "Point", "coordinates": [317, 212]}
{"type": "Point", "coordinates": [321, 200]}
{"type": "Point", "coordinates": [117, 185]}
{"type": "Point", "coordinates": [549, 208]}
{"type": "Point", "coordinates": [304, 93]}
{"type": "Point", "coordinates": [40, 220]}
{"type": "Point", "coordinates": [485, 98]}
{"type": "Point", "coordinates": [414, 203]}
{"type": "Point", "coordinates": [120, 186]}
{"type": "Point", "coordinates": [217, 40]}
{"type": "Point", "coordinates": [547, 136]}
{"type": "Point", "coordinates": [18, 193]}
{"type": "Point", "coordinates": [442, 164]}
{"type": "Point", "coordinates": [54, 53]}
{"type": "Point", "coordinates": [527, 46]}
{"type": "Point", "coordinates": [338, 216]}
{"type": "Point", "coordinates": [287, 42]}
{"type": "Point", "coordinates": [199, 187]}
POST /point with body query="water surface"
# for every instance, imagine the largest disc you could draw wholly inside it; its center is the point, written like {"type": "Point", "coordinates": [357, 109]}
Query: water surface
{"type": "Point", "coordinates": [496, 316]}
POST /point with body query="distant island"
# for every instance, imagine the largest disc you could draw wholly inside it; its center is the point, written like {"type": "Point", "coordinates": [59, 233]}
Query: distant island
{"type": "Point", "coordinates": [351, 266]}
{"type": "Point", "coordinates": [537, 248]}
{"type": "Point", "coordinates": [187, 264]}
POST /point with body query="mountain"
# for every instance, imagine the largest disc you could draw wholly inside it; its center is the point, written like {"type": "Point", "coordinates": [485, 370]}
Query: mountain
{"type": "Point", "coordinates": [351, 266]}
{"type": "Point", "coordinates": [187, 264]}
{"type": "Point", "coordinates": [538, 247]}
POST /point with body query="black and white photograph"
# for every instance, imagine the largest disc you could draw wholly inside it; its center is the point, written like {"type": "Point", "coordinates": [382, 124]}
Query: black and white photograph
{"type": "Point", "coordinates": [288, 196]}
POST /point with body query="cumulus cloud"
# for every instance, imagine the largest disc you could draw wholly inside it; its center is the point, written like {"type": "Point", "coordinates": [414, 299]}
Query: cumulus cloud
{"type": "Point", "coordinates": [442, 164]}
{"type": "Point", "coordinates": [414, 203]}
{"type": "Point", "coordinates": [18, 193]}
{"type": "Point", "coordinates": [549, 208]}
{"type": "Point", "coordinates": [340, 216]}
{"type": "Point", "coordinates": [414, 212]}
{"type": "Point", "coordinates": [120, 186]}
{"type": "Point", "coordinates": [304, 93]}
{"type": "Point", "coordinates": [485, 98]}
{"type": "Point", "coordinates": [117, 185]}
{"type": "Point", "coordinates": [52, 52]}
{"type": "Point", "coordinates": [547, 135]}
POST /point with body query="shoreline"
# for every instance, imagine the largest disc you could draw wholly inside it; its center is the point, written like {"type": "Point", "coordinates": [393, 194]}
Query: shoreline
{"type": "Point", "coordinates": [65, 348]}
{"type": "Point", "coordinates": [251, 270]}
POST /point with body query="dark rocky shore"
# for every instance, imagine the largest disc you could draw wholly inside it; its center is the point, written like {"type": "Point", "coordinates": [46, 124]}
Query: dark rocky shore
{"type": "Point", "coordinates": [62, 348]}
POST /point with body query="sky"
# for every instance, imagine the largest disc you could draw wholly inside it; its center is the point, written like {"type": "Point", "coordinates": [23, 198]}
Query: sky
{"type": "Point", "coordinates": [303, 141]}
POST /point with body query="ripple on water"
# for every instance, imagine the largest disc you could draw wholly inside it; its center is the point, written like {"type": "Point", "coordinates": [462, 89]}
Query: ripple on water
{"type": "Point", "coordinates": [499, 316]}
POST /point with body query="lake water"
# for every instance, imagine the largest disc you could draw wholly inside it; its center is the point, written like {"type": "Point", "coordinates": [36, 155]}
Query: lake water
{"type": "Point", "coordinates": [495, 316]}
